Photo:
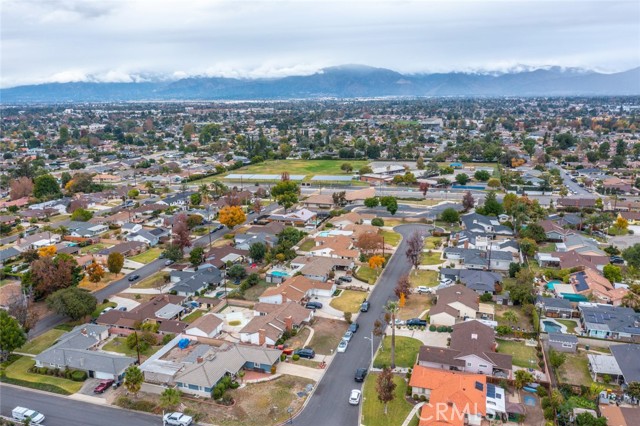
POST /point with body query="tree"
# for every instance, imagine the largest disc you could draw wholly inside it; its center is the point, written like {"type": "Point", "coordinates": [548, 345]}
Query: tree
{"type": "Point", "coordinates": [95, 272]}
{"type": "Point", "coordinates": [339, 198]}
{"type": "Point", "coordinates": [47, 251]}
{"type": "Point", "coordinates": [621, 223]}
{"type": "Point", "coordinates": [415, 246]}
{"type": "Point", "coordinates": [633, 390]}
{"type": "Point", "coordinates": [468, 201]}
{"type": "Point", "coordinates": [72, 302]}
{"type": "Point", "coordinates": [194, 220]}
{"type": "Point", "coordinates": [391, 308]}
{"type": "Point", "coordinates": [510, 317]}
{"type": "Point", "coordinates": [612, 273]}
{"type": "Point", "coordinates": [529, 247]}
{"type": "Point", "coordinates": [385, 386]}
{"type": "Point", "coordinates": [482, 175]}
{"type": "Point", "coordinates": [522, 378]}
{"type": "Point", "coordinates": [257, 251]}
{"type": "Point", "coordinates": [115, 262]}
{"type": "Point", "coordinates": [462, 178]}
{"type": "Point", "coordinates": [46, 186]}
{"type": "Point", "coordinates": [376, 262]}
{"type": "Point", "coordinates": [230, 216]}
{"type": "Point", "coordinates": [181, 232]}
{"type": "Point", "coordinates": [365, 170]}
{"type": "Point", "coordinates": [133, 379]}
{"type": "Point", "coordinates": [81, 215]}
{"type": "Point", "coordinates": [48, 274]}
{"type": "Point", "coordinates": [133, 193]}
{"type": "Point", "coordinates": [12, 336]}
{"type": "Point", "coordinates": [403, 289]}
{"type": "Point", "coordinates": [493, 183]}
{"type": "Point", "coordinates": [587, 419]}
{"type": "Point", "coordinates": [450, 215]}
{"type": "Point", "coordinates": [346, 167]}
{"type": "Point", "coordinates": [170, 398]}
{"type": "Point", "coordinates": [491, 205]}
{"type": "Point", "coordinates": [632, 255]}
{"type": "Point", "coordinates": [556, 359]}
{"type": "Point", "coordinates": [174, 253]}
{"type": "Point", "coordinates": [21, 187]}
{"type": "Point", "coordinates": [285, 193]}
{"type": "Point", "coordinates": [236, 272]}
{"type": "Point", "coordinates": [521, 291]}
{"type": "Point", "coordinates": [535, 232]}
{"type": "Point", "coordinates": [390, 203]}
{"type": "Point", "coordinates": [196, 257]}
{"type": "Point", "coordinates": [420, 163]}
{"type": "Point", "coordinates": [371, 202]}
{"type": "Point", "coordinates": [369, 242]}
{"type": "Point", "coordinates": [195, 199]}
{"type": "Point", "coordinates": [514, 268]}
{"type": "Point", "coordinates": [256, 206]}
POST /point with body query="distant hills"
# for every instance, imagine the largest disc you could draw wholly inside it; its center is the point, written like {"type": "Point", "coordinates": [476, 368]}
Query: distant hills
{"type": "Point", "coordinates": [349, 81]}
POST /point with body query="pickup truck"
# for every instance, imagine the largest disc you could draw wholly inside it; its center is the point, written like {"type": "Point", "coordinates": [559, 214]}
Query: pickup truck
{"type": "Point", "coordinates": [177, 419]}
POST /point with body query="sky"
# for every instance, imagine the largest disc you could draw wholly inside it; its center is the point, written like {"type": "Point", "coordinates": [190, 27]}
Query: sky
{"type": "Point", "coordinates": [140, 40]}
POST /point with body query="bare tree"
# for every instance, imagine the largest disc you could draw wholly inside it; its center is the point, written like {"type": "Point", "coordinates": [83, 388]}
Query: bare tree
{"type": "Point", "coordinates": [21, 187]}
{"type": "Point", "coordinates": [181, 231]}
{"type": "Point", "coordinates": [386, 387]}
{"type": "Point", "coordinates": [468, 201]}
{"type": "Point", "coordinates": [415, 245]}
{"type": "Point", "coordinates": [20, 307]}
{"type": "Point", "coordinates": [403, 288]}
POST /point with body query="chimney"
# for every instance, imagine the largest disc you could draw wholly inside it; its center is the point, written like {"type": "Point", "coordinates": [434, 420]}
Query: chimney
{"type": "Point", "coordinates": [288, 323]}
{"type": "Point", "coordinates": [84, 332]}
{"type": "Point", "coordinates": [199, 360]}
{"type": "Point", "coordinates": [284, 297]}
{"type": "Point", "coordinates": [261, 338]}
{"type": "Point", "coordinates": [466, 244]}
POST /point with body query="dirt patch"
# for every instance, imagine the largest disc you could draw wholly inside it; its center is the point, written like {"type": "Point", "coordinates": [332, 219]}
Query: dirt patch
{"type": "Point", "coordinates": [327, 334]}
{"type": "Point", "coordinates": [414, 306]}
{"type": "Point", "coordinates": [298, 340]}
{"type": "Point", "coordinates": [105, 281]}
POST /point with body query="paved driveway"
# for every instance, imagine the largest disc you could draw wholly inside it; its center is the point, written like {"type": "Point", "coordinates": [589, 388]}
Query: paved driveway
{"type": "Point", "coordinates": [430, 338]}
{"type": "Point", "coordinates": [123, 301]}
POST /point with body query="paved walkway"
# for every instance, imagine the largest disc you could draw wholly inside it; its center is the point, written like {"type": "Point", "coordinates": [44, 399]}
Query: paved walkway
{"type": "Point", "coordinates": [142, 291]}
{"type": "Point", "coordinates": [300, 371]}
{"type": "Point", "coordinates": [89, 399]}
{"type": "Point", "coordinates": [412, 414]}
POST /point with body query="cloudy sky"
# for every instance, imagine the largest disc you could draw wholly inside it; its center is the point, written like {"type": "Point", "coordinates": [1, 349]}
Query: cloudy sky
{"type": "Point", "coordinates": [130, 40]}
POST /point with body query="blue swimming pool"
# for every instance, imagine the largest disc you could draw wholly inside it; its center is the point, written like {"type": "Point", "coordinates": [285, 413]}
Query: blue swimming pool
{"type": "Point", "coordinates": [551, 284]}
{"type": "Point", "coordinates": [530, 400]}
{"type": "Point", "coordinates": [551, 327]}
{"type": "Point", "coordinates": [279, 274]}
{"type": "Point", "coordinates": [324, 234]}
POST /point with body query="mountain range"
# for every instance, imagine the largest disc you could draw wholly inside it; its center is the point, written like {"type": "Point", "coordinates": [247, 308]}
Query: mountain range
{"type": "Point", "coordinates": [348, 81]}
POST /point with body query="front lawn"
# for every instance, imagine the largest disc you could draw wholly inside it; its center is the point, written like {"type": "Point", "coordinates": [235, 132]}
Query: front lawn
{"type": "Point", "coordinates": [348, 301]}
{"type": "Point", "coordinates": [415, 306]}
{"type": "Point", "coordinates": [575, 370]}
{"type": "Point", "coordinates": [327, 333]}
{"type": "Point", "coordinates": [194, 316]}
{"type": "Point", "coordinates": [156, 280]}
{"type": "Point", "coordinates": [148, 256]}
{"type": "Point", "coordinates": [521, 353]}
{"type": "Point", "coordinates": [431, 258]}
{"type": "Point", "coordinates": [373, 410]}
{"type": "Point", "coordinates": [42, 342]}
{"type": "Point", "coordinates": [432, 243]}
{"type": "Point", "coordinates": [101, 307]}
{"type": "Point", "coordinates": [119, 345]}
{"type": "Point", "coordinates": [391, 238]}
{"type": "Point", "coordinates": [93, 248]}
{"type": "Point", "coordinates": [367, 274]}
{"type": "Point", "coordinates": [422, 277]}
{"type": "Point", "coordinates": [406, 352]}
{"type": "Point", "coordinates": [307, 245]}
{"type": "Point", "coordinates": [17, 373]}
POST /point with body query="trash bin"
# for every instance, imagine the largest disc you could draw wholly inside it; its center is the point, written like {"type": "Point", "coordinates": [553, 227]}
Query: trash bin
{"type": "Point", "coordinates": [586, 347]}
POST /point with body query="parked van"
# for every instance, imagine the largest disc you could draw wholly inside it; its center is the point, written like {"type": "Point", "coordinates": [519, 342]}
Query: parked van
{"type": "Point", "coordinates": [21, 414]}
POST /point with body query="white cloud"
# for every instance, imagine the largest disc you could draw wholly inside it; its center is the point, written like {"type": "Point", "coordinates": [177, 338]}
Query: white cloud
{"type": "Point", "coordinates": [134, 40]}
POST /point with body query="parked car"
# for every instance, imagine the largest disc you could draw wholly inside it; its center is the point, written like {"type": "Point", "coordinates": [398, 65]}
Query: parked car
{"type": "Point", "coordinates": [177, 419]}
{"type": "Point", "coordinates": [365, 306]}
{"type": "Point", "coordinates": [345, 278]}
{"type": "Point", "coordinates": [347, 336]}
{"type": "Point", "coordinates": [342, 346]}
{"type": "Point", "coordinates": [422, 290]}
{"type": "Point", "coordinates": [23, 414]}
{"type": "Point", "coordinates": [168, 262]}
{"type": "Point", "coordinates": [416, 322]}
{"type": "Point", "coordinates": [105, 310]}
{"type": "Point", "coordinates": [361, 373]}
{"type": "Point", "coordinates": [133, 277]}
{"type": "Point", "coordinates": [354, 397]}
{"type": "Point", "coordinates": [446, 281]}
{"type": "Point", "coordinates": [616, 260]}
{"type": "Point", "coordinates": [305, 353]}
{"type": "Point", "coordinates": [103, 386]}
{"type": "Point", "coordinates": [353, 327]}
{"type": "Point", "coordinates": [219, 227]}
{"type": "Point", "coordinates": [313, 305]}
{"type": "Point", "coordinates": [400, 322]}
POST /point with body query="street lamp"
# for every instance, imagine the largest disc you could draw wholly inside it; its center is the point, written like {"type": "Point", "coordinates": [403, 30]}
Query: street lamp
{"type": "Point", "coordinates": [370, 339]}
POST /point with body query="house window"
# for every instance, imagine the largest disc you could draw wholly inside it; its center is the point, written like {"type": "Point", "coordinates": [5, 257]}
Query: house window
{"type": "Point", "coordinates": [194, 387]}
{"type": "Point", "coordinates": [567, 345]}
{"type": "Point", "coordinates": [468, 364]}
{"type": "Point", "coordinates": [482, 366]}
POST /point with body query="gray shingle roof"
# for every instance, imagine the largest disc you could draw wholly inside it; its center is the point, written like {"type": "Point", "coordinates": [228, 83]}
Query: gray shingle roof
{"type": "Point", "coordinates": [563, 338]}
{"type": "Point", "coordinates": [627, 357]}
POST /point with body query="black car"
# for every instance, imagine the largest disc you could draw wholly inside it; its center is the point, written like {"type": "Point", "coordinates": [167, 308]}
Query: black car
{"type": "Point", "coordinates": [417, 322]}
{"type": "Point", "coordinates": [353, 327]}
{"type": "Point", "coordinates": [134, 277]}
{"type": "Point", "coordinates": [365, 306]}
{"type": "Point", "coordinates": [346, 279]}
{"type": "Point", "coordinates": [361, 373]}
{"type": "Point", "coordinates": [616, 260]}
{"type": "Point", "coordinates": [219, 227]}
{"type": "Point", "coordinates": [305, 353]}
{"type": "Point", "coordinates": [313, 305]}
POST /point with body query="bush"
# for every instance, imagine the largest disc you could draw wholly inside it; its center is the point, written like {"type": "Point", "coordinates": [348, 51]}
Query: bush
{"type": "Point", "coordinates": [432, 327]}
{"type": "Point", "coordinates": [295, 357]}
{"type": "Point", "coordinates": [541, 391]}
{"type": "Point", "coordinates": [283, 357]}
{"type": "Point", "coordinates": [228, 236]}
{"type": "Point", "coordinates": [141, 405]}
{"type": "Point", "coordinates": [487, 297]}
{"type": "Point", "coordinates": [347, 317]}
{"type": "Point", "coordinates": [78, 376]}
{"type": "Point", "coordinates": [167, 338]}
{"type": "Point", "coordinates": [234, 385]}
{"type": "Point", "coordinates": [416, 397]}
{"type": "Point", "coordinates": [549, 413]}
{"type": "Point", "coordinates": [545, 402]}
{"type": "Point", "coordinates": [423, 398]}
{"type": "Point", "coordinates": [377, 222]}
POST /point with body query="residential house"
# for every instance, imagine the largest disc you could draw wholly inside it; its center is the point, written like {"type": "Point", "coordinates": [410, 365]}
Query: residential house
{"type": "Point", "coordinates": [454, 303]}
{"type": "Point", "coordinates": [590, 282]}
{"type": "Point", "coordinates": [479, 281]}
{"type": "Point", "coordinates": [188, 283]}
{"type": "Point", "coordinates": [60, 205]}
{"type": "Point", "coordinates": [482, 224]}
{"type": "Point", "coordinates": [85, 229]}
{"type": "Point", "coordinates": [219, 256]}
{"type": "Point", "coordinates": [627, 357]}
{"type": "Point", "coordinates": [245, 241]}
{"type": "Point", "coordinates": [297, 289]}
{"type": "Point", "coordinates": [130, 228]}
{"type": "Point", "coordinates": [633, 218]}
{"type": "Point", "coordinates": [36, 241]}
{"type": "Point", "coordinates": [321, 201]}
{"type": "Point", "coordinates": [77, 350]}
{"type": "Point", "coordinates": [610, 322]}
{"type": "Point", "coordinates": [302, 217]}
{"type": "Point", "coordinates": [319, 268]}
{"type": "Point", "coordinates": [472, 350]}
{"type": "Point", "coordinates": [164, 310]}
{"type": "Point", "coordinates": [351, 218]}
{"type": "Point", "coordinates": [130, 248]}
{"type": "Point", "coordinates": [553, 231]}
{"type": "Point", "coordinates": [143, 236]}
{"type": "Point", "coordinates": [580, 244]}
{"type": "Point", "coordinates": [8, 255]}
{"type": "Point", "coordinates": [272, 320]}
{"type": "Point", "coordinates": [208, 325]}
{"type": "Point", "coordinates": [478, 259]}
{"type": "Point", "coordinates": [338, 247]}
{"type": "Point", "coordinates": [576, 203]}
{"type": "Point", "coordinates": [563, 342]}
{"type": "Point", "coordinates": [555, 307]}
{"type": "Point", "coordinates": [181, 199]}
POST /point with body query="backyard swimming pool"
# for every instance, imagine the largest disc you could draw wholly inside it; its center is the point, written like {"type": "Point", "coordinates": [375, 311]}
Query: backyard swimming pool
{"type": "Point", "coordinates": [530, 400]}
{"type": "Point", "coordinates": [551, 284]}
{"type": "Point", "coordinates": [551, 327]}
{"type": "Point", "coordinates": [279, 274]}
{"type": "Point", "coordinates": [324, 234]}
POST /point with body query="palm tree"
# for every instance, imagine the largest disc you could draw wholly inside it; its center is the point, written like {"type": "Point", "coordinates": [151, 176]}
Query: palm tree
{"type": "Point", "coordinates": [392, 309]}
{"type": "Point", "coordinates": [133, 379]}
{"type": "Point", "coordinates": [170, 398]}
{"type": "Point", "coordinates": [205, 192]}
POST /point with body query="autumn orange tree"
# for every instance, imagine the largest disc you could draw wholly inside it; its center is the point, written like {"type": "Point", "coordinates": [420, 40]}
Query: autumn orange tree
{"type": "Point", "coordinates": [95, 272]}
{"type": "Point", "coordinates": [376, 262]}
{"type": "Point", "coordinates": [230, 216]}
{"type": "Point", "coordinates": [47, 251]}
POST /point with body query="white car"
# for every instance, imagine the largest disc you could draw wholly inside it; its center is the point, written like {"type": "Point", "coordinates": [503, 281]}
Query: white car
{"type": "Point", "coordinates": [354, 397]}
{"type": "Point", "coordinates": [22, 414]}
{"type": "Point", "coordinates": [422, 289]}
{"type": "Point", "coordinates": [105, 310]}
{"type": "Point", "coordinates": [342, 347]}
{"type": "Point", "coordinates": [347, 336]}
{"type": "Point", "coordinates": [177, 419]}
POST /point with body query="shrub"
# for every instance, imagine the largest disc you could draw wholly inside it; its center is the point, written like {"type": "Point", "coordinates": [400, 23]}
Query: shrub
{"type": "Point", "coordinates": [423, 398]}
{"type": "Point", "coordinates": [487, 297]}
{"type": "Point", "coordinates": [541, 391]}
{"type": "Point", "coordinates": [234, 385]}
{"type": "Point", "coordinates": [432, 327]}
{"type": "Point", "coordinates": [140, 405]}
{"type": "Point", "coordinates": [167, 338]}
{"type": "Point", "coordinates": [79, 376]}
{"type": "Point", "coordinates": [416, 397]}
{"type": "Point", "coordinates": [219, 391]}
{"type": "Point", "coordinates": [283, 357]}
{"type": "Point", "coordinates": [377, 222]}
{"type": "Point", "coordinates": [347, 317]}
{"type": "Point", "coordinates": [228, 236]}
{"type": "Point", "coordinates": [549, 413]}
{"type": "Point", "coordinates": [503, 330]}
{"type": "Point", "coordinates": [295, 357]}
{"type": "Point", "coordinates": [545, 402]}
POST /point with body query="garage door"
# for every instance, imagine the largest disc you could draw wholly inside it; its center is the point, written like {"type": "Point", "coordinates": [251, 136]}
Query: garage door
{"type": "Point", "coordinates": [100, 375]}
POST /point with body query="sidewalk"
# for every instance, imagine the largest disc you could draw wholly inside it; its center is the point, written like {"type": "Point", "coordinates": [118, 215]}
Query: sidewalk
{"type": "Point", "coordinates": [89, 399]}
{"type": "Point", "coordinates": [412, 414]}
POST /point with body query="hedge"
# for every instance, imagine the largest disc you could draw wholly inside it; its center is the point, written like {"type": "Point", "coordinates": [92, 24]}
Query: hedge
{"type": "Point", "coordinates": [34, 385]}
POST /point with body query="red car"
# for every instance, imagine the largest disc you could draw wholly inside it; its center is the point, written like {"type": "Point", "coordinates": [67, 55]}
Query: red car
{"type": "Point", "coordinates": [103, 386]}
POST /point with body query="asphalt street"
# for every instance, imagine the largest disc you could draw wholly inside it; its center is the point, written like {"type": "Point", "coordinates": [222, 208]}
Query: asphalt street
{"type": "Point", "coordinates": [408, 211]}
{"type": "Point", "coordinates": [50, 321]}
{"type": "Point", "coordinates": [571, 185]}
{"type": "Point", "coordinates": [62, 411]}
{"type": "Point", "coordinates": [329, 404]}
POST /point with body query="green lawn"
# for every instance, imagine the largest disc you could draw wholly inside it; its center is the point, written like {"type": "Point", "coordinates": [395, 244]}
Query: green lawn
{"type": "Point", "coordinates": [373, 410]}
{"type": "Point", "coordinates": [571, 325]}
{"type": "Point", "coordinates": [148, 256]}
{"type": "Point", "coordinates": [547, 248]}
{"type": "Point", "coordinates": [432, 243]}
{"type": "Point", "coordinates": [349, 301]}
{"type": "Point", "coordinates": [42, 342]}
{"type": "Point", "coordinates": [194, 316]}
{"type": "Point", "coordinates": [368, 274]}
{"type": "Point", "coordinates": [391, 238]}
{"type": "Point", "coordinates": [406, 352]}
{"type": "Point", "coordinates": [307, 245]}
{"type": "Point", "coordinates": [423, 277]}
{"type": "Point", "coordinates": [92, 249]}
{"type": "Point", "coordinates": [18, 370]}
{"type": "Point", "coordinates": [432, 258]}
{"type": "Point", "coordinates": [575, 370]}
{"type": "Point", "coordinates": [119, 345]}
{"type": "Point", "coordinates": [102, 306]}
{"type": "Point", "coordinates": [522, 354]}
{"type": "Point", "coordinates": [154, 281]}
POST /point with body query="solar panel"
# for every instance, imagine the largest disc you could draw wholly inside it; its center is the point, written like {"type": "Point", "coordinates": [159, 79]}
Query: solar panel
{"type": "Point", "coordinates": [479, 386]}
